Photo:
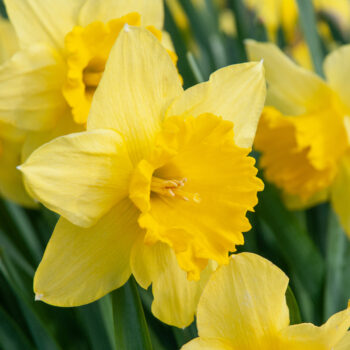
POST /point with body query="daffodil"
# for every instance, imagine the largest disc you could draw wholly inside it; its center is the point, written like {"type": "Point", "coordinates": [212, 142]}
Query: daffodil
{"type": "Point", "coordinates": [304, 131]}
{"type": "Point", "coordinates": [158, 185]}
{"type": "Point", "coordinates": [243, 307]}
{"type": "Point", "coordinates": [47, 86]}
{"type": "Point", "coordinates": [11, 139]}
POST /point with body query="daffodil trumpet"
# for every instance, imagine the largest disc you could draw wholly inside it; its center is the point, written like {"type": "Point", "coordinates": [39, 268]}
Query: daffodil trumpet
{"type": "Point", "coordinates": [158, 186]}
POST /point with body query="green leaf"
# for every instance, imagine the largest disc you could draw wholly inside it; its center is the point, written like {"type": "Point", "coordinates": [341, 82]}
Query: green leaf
{"type": "Point", "coordinates": [294, 312]}
{"type": "Point", "coordinates": [42, 336]}
{"type": "Point", "coordinates": [336, 291]}
{"type": "Point", "coordinates": [309, 26]}
{"type": "Point", "coordinates": [11, 336]}
{"type": "Point", "coordinates": [93, 321]}
{"type": "Point", "coordinates": [297, 248]}
{"type": "Point", "coordinates": [131, 331]}
{"type": "Point", "coordinates": [194, 67]}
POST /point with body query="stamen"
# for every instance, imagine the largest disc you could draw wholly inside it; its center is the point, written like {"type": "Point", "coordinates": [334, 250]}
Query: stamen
{"type": "Point", "coordinates": [173, 188]}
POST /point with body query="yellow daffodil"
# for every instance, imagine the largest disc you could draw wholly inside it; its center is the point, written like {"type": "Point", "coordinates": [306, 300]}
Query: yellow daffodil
{"type": "Point", "coordinates": [243, 307]}
{"type": "Point", "coordinates": [159, 184]}
{"type": "Point", "coordinates": [11, 139]}
{"type": "Point", "coordinates": [304, 131]}
{"type": "Point", "coordinates": [48, 85]}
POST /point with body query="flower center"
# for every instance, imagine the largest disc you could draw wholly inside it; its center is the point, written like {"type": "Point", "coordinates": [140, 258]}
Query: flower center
{"type": "Point", "coordinates": [173, 188]}
{"type": "Point", "coordinates": [87, 50]}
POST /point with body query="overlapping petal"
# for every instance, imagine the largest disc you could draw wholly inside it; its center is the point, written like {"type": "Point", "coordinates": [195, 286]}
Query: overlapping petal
{"type": "Point", "coordinates": [235, 93]}
{"type": "Point", "coordinates": [43, 21]}
{"type": "Point", "coordinates": [80, 176]}
{"type": "Point", "coordinates": [175, 297]}
{"type": "Point", "coordinates": [81, 265]}
{"type": "Point", "coordinates": [337, 70]}
{"type": "Point", "coordinates": [8, 40]}
{"type": "Point", "coordinates": [151, 11]}
{"type": "Point", "coordinates": [244, 303]}
{"type": "Point", "coordinates": [293, 90]}
{"type": "Point", "coordinates": [30, 88]}
{"type": "Point", "coordinates": [139, 83]}
{"type": "Point", "coordinates": [208, 344]}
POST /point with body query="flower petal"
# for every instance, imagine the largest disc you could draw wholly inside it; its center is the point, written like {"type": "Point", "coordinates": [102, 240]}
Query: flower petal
{"type": "Point", "coordinates": [80, 176]}
{"type": "Point", "coordinates": [308, 336]}
{"type": "Point", "coordinates": [207, 344]}
{"type": "Point", "coordinates": [152, 12]}
{"type": "Point", "coordinates": [244, 302]}
{"type": "Point", "coordinates": [139, 82]}
{"type": "Point", "coordinates": [175, 297]}
{"type": "Point", "coordinates": [292, 89]}
{"type": "Point", "coordinates": [11, 183]}
{"type": "Point", "coordinates": [340, 193]}
{"type": "Point", "coordinates": [337, 70]}
{"type": "Point", "coordinates": [81, 265]}
{"type": "Point", "coordinates": [236, 93]}
{"type": "Point", "coordinates": [8, 40]}
{"type": "Point", "coordinates": [30, 88]}
{"type": "Point", "coordinates": [42, 20]}
{"type": "Point", "coordinates": [344, 344]}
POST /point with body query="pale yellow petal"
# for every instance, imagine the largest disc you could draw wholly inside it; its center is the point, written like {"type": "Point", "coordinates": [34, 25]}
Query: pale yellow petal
{"type": "Point", "coordinates": [291, 89]}
{"type": "Point", "coordinates": [244, 302]}
{"type": "Point", "coordinates": [11, 184]}
{"type": "Point", "coordinates": [207, 344]}
{"type": "Point", "coordinates": [151, 11]}
{"type": "Point", "coordinates": [34, 139]}
{"type": "Point", "coordinates": [139, 83]}
{"type": "Point", "coordinates": [175, 297]}
{"type": "Point", "coordinates": [43, 20]}
{"type": "Point", "coordinates": [8, 40]}
{"type": "Point", "coordinates": [307, 336]}
{"type": "Point", "coordinates": [81, 176]}
{"type": "Point", "coordinates": [344, 344]}
{"type": "Point", "coordinates": [337, 70]}
{"type": "Point", "coordinates": [30, 88]}
{"type": "Point", "coordinates": [340, 193]}
{"type": "Point", "coordinates": [236, 93]}
{"type": "Point", "coordinates": [82, 265]}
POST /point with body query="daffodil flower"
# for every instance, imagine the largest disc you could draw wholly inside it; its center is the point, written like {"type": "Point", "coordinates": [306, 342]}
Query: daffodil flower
{"type": "Point", "coordinates": [11, 139]}
{"type": "Point", "coordinates": [157, 186]}
{"type": "Point", "coordinates": [304, 131]}
{"type": "Point", "coordinates": [243, 307]}
{"type": "Point", "coordinates": [47, 86]}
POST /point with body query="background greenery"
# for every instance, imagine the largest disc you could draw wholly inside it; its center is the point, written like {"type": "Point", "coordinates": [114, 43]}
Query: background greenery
{"type": "Point", "coordinates": [309, 246]}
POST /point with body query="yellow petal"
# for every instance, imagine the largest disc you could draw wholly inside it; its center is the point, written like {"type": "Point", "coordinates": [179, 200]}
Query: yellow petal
{"type": "Point", "coordinates": [300, 154]}
{"type": "Point", "coordinates": [42, 20]}
{"type": "Point", "coordinates": [235, 93]}
{"type": "Point", "coordinates": [30, 88]}
{"type": "Point", "coordinates": [80, 176]}
{"type": "Point", "coordinates": [82, 265]}
{"type": "Point", "coordinates": [244, 302]}
{"type": "Point", "coordinates": [344, 344]}
{"type": "Point", "coordinates": [292, 89]}
{"type": "Point", "coordinates": [340, 193]}
{"type": "Point", "coordinates": [337, 70]}
{"type": "Point", "coordinates": [8, 40]}
{"type": "Point", "coordinates": [34, 139]}
{"type": "Point", "coordinates": [152, 12]}
{"type": "Point", "coordinates": [139, 82]}
{"type": "Point", "coordinates": [11, 184]}
{"type": "Point", "coordinates": [307, 336]}
{"type": "Point", "coordinates": [207, 344]}
{"type": "Point", "coordinates": [195, 190]}
{"type": "Point", "coordinates": [175, 297]}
